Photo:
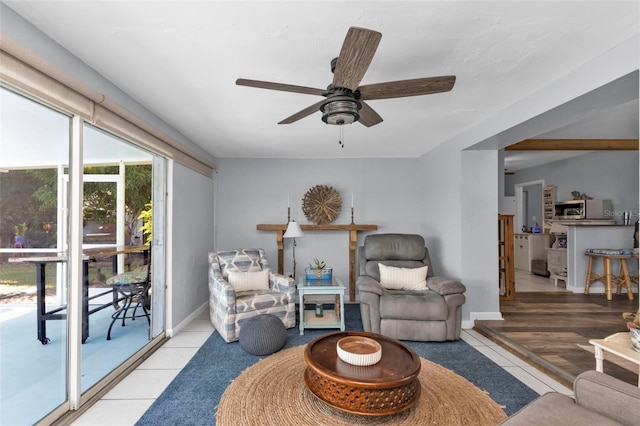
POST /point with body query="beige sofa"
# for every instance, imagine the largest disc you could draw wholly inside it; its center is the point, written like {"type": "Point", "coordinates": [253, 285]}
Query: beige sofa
{"type": "Point", "coordinates": [599, 400]}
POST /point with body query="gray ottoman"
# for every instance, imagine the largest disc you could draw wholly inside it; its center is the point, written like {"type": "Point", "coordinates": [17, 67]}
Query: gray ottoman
{"type": "Point", "coordinates": [263, 335]}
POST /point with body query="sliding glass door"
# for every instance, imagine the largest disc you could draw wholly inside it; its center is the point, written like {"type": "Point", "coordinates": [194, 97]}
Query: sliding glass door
{"type": "Point", "coordinates": [81, 212]}
{"type": "Point", "coordinates": [117, 184]}
{"type": "Point", "coordinates": [34, 144]}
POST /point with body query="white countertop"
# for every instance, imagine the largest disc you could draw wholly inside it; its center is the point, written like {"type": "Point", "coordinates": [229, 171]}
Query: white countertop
{"type": "Point", "coordinates": [593, 222]}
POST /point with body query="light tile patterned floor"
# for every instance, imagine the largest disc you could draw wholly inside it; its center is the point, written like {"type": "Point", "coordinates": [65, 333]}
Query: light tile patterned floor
{"type": "Point", "coordinates": [530, 282]}
{"type": "Point", "coordinates": [128, 401]}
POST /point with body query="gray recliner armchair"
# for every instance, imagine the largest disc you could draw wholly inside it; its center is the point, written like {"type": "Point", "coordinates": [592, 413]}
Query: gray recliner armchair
{"type": "Point", "coordinates": [433, 314]}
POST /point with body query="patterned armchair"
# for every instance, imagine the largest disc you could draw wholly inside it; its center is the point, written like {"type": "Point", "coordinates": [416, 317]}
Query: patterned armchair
{"type": "Point", "coordinates": [230, 309]}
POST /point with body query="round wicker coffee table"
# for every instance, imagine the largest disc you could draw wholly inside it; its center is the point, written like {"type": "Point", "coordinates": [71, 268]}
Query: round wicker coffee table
{"type": "Point", "coordinates": [388, 387]}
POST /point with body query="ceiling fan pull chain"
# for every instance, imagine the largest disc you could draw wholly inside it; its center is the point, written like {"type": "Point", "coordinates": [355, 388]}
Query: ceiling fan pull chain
{"type": "Point", "coordinates": [341, 135]}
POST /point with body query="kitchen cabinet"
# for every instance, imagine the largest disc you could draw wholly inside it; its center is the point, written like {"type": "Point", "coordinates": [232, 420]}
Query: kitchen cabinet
{"type": "Point", "coordinates": [528, 247]}
{"type": "Point", "coordinates": [548, 207]}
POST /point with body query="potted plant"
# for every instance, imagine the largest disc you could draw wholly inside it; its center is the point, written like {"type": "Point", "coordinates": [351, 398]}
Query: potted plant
{"type": "Point", "coordinates": [20, 232]}
{"type": "Point", "coordinates": [147, 223]}
{"type": "Point", "coordinates": [318, 270]}
{"type": "Point", "coordinates": [633, 324]}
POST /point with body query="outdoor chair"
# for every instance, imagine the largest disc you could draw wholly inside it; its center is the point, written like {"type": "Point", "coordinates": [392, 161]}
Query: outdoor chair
{"type": "Point", "coordinates": [132, 288]}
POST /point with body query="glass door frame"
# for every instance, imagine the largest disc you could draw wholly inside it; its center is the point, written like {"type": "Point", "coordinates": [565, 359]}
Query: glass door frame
{"type": "Point", "coordinates": [76, 398]}
{"type": "Point", "coordinates": [63, 206]}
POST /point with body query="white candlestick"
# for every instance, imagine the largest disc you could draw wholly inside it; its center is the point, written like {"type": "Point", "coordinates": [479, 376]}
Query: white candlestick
{"type": "Point", "coordinates": [351, 200]}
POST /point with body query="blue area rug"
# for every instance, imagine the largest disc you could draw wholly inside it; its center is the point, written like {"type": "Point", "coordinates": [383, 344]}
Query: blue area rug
{"type": "Point", "coordinates": [192, 397]}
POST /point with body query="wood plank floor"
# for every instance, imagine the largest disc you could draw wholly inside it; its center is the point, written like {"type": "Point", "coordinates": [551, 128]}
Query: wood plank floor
{"type": "Point", "coordinates": [546, 329]}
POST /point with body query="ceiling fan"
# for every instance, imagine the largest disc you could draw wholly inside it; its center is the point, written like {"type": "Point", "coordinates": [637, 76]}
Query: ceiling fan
{"type": "Point", "coordinates": [344, 98]}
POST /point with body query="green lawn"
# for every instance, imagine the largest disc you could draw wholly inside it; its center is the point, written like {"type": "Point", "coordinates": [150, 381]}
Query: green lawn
{"type": "Point", "coordinates": [16, 277]}
{"type": "Point", "coordinates": [24, 274]}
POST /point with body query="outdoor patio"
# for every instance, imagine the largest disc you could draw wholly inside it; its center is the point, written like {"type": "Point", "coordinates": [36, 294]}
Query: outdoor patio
{"type": "Point", "coordinates": [32, 371]}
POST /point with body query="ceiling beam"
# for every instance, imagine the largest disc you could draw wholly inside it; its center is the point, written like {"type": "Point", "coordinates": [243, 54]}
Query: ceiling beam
{"type": "Point", "coordinates": [575, 145]}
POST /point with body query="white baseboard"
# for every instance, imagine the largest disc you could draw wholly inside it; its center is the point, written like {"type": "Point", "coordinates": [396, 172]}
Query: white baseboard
{"type": "Point", "coordinates": [467, 325]}
{"type": "Point", "coordinates": [473, 316]}
{"type": "Point", "coordinates": [175, 330]}
{"type": "Point", "coordinates": [485, 316]}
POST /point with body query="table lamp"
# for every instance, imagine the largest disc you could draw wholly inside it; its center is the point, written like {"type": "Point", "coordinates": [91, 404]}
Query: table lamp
{"type": "Point", "coordinates": [293, 231]}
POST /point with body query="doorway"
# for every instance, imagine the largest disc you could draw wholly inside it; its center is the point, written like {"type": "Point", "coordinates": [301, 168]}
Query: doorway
{"type": "Point", "coordinates": [529, 216]}
{"type": "Point", "coordinates": [528, 204]}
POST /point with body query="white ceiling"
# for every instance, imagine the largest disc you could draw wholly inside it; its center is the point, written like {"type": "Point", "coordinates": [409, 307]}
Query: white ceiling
{"type": "Point", "coordinates": [181, 59]}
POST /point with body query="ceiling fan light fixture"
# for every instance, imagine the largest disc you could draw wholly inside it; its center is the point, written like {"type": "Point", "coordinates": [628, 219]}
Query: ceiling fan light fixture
{"type": "Point", "coordinates": [340, 111]}
{"type": "Point", "coordinates": [343, 96]}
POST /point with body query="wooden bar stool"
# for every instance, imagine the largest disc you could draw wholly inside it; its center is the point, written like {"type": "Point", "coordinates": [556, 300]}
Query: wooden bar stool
{"type": "Point", "coordinates": [635, 279]}
{"type": "Point", "coordinates": [609, 279]}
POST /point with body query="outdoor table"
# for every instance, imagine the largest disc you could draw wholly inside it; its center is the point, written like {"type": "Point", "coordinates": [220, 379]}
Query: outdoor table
{"type": "Point", "coordinates": [42, 315]}
{"type": "Point", "coordinates": [40, 262]}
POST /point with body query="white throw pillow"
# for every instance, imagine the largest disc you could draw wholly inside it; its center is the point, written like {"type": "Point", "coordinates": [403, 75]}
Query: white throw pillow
{"type": "Point", "coordinates": [249, 281]}
{"type": "Point", "coordinates": [393, 278]}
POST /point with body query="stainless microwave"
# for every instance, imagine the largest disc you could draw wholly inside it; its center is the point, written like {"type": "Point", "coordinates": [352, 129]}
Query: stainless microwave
{"type": "Point", "coordinates": [583, 209]}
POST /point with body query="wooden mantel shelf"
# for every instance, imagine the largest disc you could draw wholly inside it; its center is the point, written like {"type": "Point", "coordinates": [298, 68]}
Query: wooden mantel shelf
{"type": "Point", "coordinates": [353, 243]}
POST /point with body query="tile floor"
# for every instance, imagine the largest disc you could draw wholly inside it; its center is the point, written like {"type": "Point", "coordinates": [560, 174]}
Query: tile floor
{"type": "Point", "coordinates": [135, 394]}
{"type": "Point", "coordinates": [530, 282]}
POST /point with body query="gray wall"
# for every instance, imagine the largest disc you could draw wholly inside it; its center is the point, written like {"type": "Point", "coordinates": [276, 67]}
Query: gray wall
{"type": "Point", "coordinates": [191, 239]}
{"type": "Point", "coordinates": [459, 221]}
{"type": "Point", "coordinates": [534, 205]}
{"type": "Point", "coordinates": [479, 226]}
{"type": "Point", "coordinates": [608, 175]}
{"type": "Point", "coordinates": [255, 191]}
{"type": "Point", "coordinates": [399, 195]}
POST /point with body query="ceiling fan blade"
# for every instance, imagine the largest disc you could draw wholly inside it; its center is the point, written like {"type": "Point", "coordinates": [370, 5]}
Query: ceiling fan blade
{"type": "Point", "coordinates": [368, 116]}
{"type": "Point", "coordinates": [404, 88]}
{"type": "Point", "coordinates": [279, 86]}
{"type": "Point", "coordinates": [303, 113]}
{"type": "Point", "coordinates": [358, 49]}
